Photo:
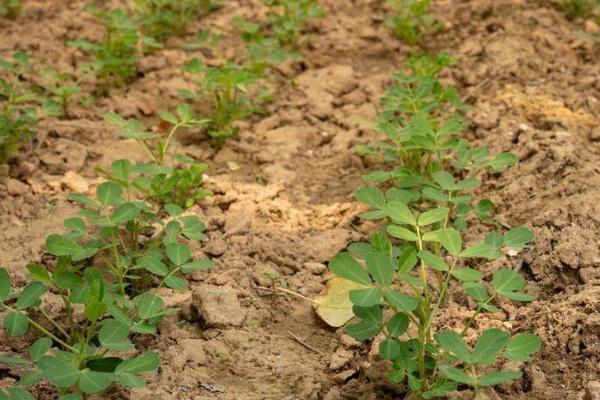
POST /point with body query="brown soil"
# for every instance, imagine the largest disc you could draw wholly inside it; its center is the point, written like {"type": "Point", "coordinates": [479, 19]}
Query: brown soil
{"type": "Point", "coordinates": [284, 188]}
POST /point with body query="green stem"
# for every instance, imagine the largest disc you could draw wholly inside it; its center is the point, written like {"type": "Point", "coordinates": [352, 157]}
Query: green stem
{"type": "Point", "coordinates": [475, 315]}
{"type": "Point", "coordinates": [43, 330]}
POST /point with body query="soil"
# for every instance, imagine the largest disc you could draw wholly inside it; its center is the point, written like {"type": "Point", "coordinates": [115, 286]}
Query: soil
{"type": "Point", "coordinates": [284, 192]}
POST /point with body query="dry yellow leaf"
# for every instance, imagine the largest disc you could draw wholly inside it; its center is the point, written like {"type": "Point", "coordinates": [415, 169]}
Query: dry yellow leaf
{"type": "Point", "coordinates": [333, 304]}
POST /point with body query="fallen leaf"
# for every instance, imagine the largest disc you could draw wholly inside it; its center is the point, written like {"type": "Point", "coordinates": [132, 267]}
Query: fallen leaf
{"type": "Point", "coordinates": [333, 304]}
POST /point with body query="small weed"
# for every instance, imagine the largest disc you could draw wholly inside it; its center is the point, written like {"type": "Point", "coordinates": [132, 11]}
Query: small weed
{"type": "Point", "coordinates": [580, 8]}
{"type": "Point", "coordinates": [18, 108]}
{"type": "Point", "coordinates": [10, 8]}
{"type": "Point", "coordinates": [411, 19]}
{"type": "Point", "coordinates": [60, 90]}
{"type": "Point", "coordinates": [227, 88]}
{"type": "Point", "coordinates": [409, 271]}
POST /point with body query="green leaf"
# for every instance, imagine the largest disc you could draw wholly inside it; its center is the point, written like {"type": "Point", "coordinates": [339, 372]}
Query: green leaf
{"type": "Point", "coordinates": [498, 377]}
{"type": "Point", "coordinates": [108, 193]}
{"type": "Point", "coordinates": [58, 372]}
{"type": "Point", "coordinates": [125, 213]}
{"type": "Point", "coordinates": [466, 274]}
{"type": "Point", "coordinates": [376, 177]}
{"type": "Point", "coordinates": [175, 282]}
{"type": "Point", "coordinates": [178, 253]}
{"type": "Point", "coordinates": [94, 382]}
{"type": "Point", "coordinates": [380, 267]}
{"type": "Point", "coordinates": [31, 378]}
{"type": "Point", "coordinates": [372, 215]}
{"type": "Point", "coordinates": [365, 297]}
{"type": "Point", "coordinates": [518, 238]}
{"type": "Point", "coordinates": [489, 344]}
{"type": "Point", "coordinates": [173, 210]}
{"type": "Point", "coordinates": [456, 375]}
{"type": "Point", "coordinates": [167, 116]}
{"type": "Point", "coordinates": [433, 216]}
{"type": "Point", "coordinates": [507, 282]}
{"type": "Point", "coordinates": [197, 265]}
{"type": "Point", "coordinates": [401, 301]}
{"type": "Point", "coordinates": [114, 336]}
{"type": "Point", "coordinates": [362, 330]}
{"type": "Point", "coordinates": [503, 160]}
{"type": "Point", "coordinates": [444, 179]}
{"type": "Point", "coordinates": [433, 261]}
{"type": "Point", "coordinates": [371, 196]}
{"type": "Point", "coordinates": [476, 291]}
{"type": "Point", "coordinates": [185, 113]}
{"type": "Point", "coordinates": [371, 314]}
{"type": "Point", "coordinates": [483, 250]}
{"type": "Point", "coordinates": [71, 396]}
{"type": "Point", "coordinates": [520, 347]}
{"type": "Point", "coordinates": [30, 295]}
{"type": "Point", "coordinates": [450, 239]}
{"type": "Point", "coordinates": [143, 363]}
{"type": "Point", "coordinates": [397, 325]}
{"type": "Point", "coordinates": [4, 284]}
{"type": "Point", "coordinates": [15, 323]}
{"type": "Point", "coordinates": [75, 224]}
{"type": "Point", "coordinates": [131, 380]}
{"type": "Point", "coordinates": [494, 239]}
{"type": "Point", "coordinates": [121, 169]}
{"type": "Point", "coordinates": [17, 393]}
{"type": "Point", "coordinates": [380, 242]}
{"type": "Point", "coordinates": [389, 349]}
{"type": "Point", "coordinates": [39, 273]}
{"type": "Point", "coordinates": [148, 305]}
{"type": "Point", "coordinates": [94, 311]}
{"type": "Point", "coordinates": [58, 245]}
{"type": "Point", "coordinates": [112, 118]}
{"type": "Point", "coordinates": [153, 264]}
{"type": "Point", "coordinates": [82, 199]}
{"type": "Point", "coordinates": [345, 266]}
{"type": "Point", "coordinates": [40, 348]}
{"type": "Point", "coordinates": [400, 232]}
{"type": "Point", "coordinates": [68, 280]}
{"type": "Point", "coordinates": [454, 343]}
{"type": "Point", "coordinates": [14, 360]}
{"type": "Point", "coordinates": [399, 213]}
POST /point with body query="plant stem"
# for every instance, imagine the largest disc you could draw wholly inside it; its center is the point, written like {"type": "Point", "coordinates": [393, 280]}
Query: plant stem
{"type": "Point", "coordinates": [475, 315]}
{"type": "Point", "coordinates": [43, 330]}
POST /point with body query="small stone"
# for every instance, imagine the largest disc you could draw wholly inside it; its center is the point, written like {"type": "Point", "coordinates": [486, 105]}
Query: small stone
{"type": "Point", "coordinates": [340, 358]}
{"type": "Point", "coordinates": [75, 182]}
{"type": "Point", "coordinates": [595, 135]}
{"type": "Point", "coordinates": [16, 187]}
{"type": "Point", "coordinates": [349, 342]}
{"type": "Point", "coordinates": [315, 268]}
{"type": "Point", "coordinates": [218, 306]}
{"type": "Point", "coordinates": [333, 394]}
{"type": "Point", "coordinates": [592, 391]}
{"type": "Point", "coordinates": [193, 351]}
{"type": "Point", "coordinates": [345, 375]}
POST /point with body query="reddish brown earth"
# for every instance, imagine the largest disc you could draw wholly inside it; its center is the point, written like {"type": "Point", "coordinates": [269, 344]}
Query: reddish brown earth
{"type": "Point", "coordinates": [283, 192]}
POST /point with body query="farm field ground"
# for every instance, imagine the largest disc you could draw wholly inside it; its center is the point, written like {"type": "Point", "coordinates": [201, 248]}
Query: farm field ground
{"type": "Point", "coordinates": [283, 192]}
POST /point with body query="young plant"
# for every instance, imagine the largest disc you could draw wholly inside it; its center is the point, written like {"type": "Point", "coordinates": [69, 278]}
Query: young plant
{"type": "Point", "coordinates": [115, 57]}
{"type": "Point", "coordinates": [410, 20]}
{"type": "Point", "coordinates": [409, 272]}
{"type": "Point", "coordinates": [227, 89]}
{"type": "Point", "coordinates": [158, 181]}
{"type": "Point", "coordinates": [60, 90]}
{"type": "Point", "coordinates": [18, 114]}
{"type": "Point", "coordinates": [162, 18]}
{"type": "Point", "coordinates": [10, 8]}
{"type": "Point", "coordinates": [287, 19]}
{"type": "Point", "coordinates": [580, 8]}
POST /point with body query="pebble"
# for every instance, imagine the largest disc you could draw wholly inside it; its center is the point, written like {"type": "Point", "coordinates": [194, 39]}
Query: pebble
{"type": "Point", "coordinates": [218, 306]}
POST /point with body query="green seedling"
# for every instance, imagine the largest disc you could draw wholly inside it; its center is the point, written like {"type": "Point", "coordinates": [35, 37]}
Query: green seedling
{"type": "Point", "coordinates": [18, 115]}
{"type": "Point", "coordinates": [160, 19]}
{"type": "Point", "coordinates": [226, 88]}
{"type": "Point", "coordinates": [287, 19]}
{"type": "Point", "coordinates": [10, 8]}
{"type": "Point", "coordinates": [115, 57]}
{"type": "Point", "coordinates": [410, 271]}
{"type": "Point", "coordinates": [60, 91]}
{"type": "Point", "coordinates": [159, 181]}
{"type": "Point", "coordinates": [411, 19]}
{"type": "Point", "coordinates": [580, 8]}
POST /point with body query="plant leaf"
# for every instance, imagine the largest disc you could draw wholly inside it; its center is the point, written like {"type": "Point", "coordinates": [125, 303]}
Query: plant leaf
{"type": "Point", "coordinates": [380, 267]}
{"type": "Point", "coordinates": [520, 347]}
{"type": "Point", "coordinates": [345, 266]}
{"type": "Point", "coordinates": [454, 343]}
{"type": "Point", "coordinates": [498, 377]}
{"type": "Point", "coordinates": [58, 372]}
{"type": "Point", "coordinates": [399, 213]}
{"type": "Point", "coordinates": [401, 301]}
{"type": "Point", "coordinates": [489, 344]}
{"type": "Point", "coordinates": [389, 349]}
{"type": "Point", "coordinates": [433, 216]}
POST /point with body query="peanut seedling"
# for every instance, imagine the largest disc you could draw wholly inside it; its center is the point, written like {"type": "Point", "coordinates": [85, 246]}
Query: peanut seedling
{"type": "Point", "coordinates": [410, 271]}
{"type": "Point", "coordinates": [10, 8]}
{"type": "Point", "coordinates": [60, 91]}
{"type": "Point", "coordinates": [18, 112]}
{"type": "Point", "coordinates": [287, 19]}
{"type": "Point", "coordinates": [162, 18]}
{"type": "Point", "coordinates": [410, 20]}
{"type": "Point", "coordinates": [227, 88]}
{"type": "Point", "coordinates": [159, 181]}
{"type": "Point", "coordinates": [115, 57]}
